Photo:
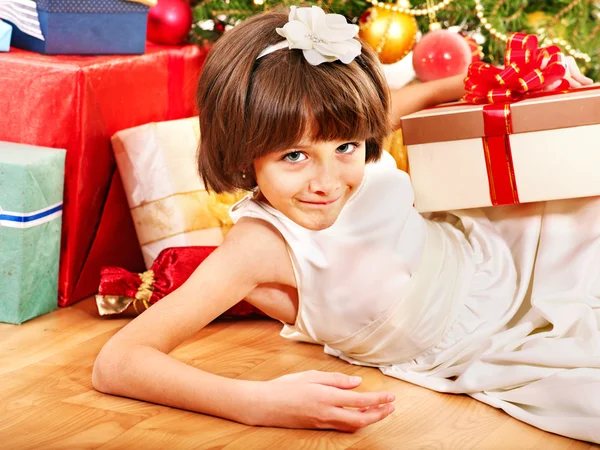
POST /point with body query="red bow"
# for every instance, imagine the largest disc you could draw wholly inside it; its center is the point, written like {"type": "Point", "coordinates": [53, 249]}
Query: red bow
{"type": "Point", "coordinates": [527, 69]}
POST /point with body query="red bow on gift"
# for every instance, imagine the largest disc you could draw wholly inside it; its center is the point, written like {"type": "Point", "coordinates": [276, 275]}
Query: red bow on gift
{"type": "Point", "coordinates": [527, 69]}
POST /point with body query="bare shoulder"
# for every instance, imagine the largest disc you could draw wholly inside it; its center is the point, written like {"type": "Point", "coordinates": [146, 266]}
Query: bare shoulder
{"type": "Point", "coordinates": [258, 244]}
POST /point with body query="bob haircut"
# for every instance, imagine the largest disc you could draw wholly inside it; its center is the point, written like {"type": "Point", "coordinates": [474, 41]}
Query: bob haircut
{"type": "Point", "coordinates": [249, 108]}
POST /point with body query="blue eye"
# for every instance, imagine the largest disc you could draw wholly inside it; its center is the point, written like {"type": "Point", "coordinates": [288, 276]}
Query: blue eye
{"type": "Point", "coordinates": [348, 147]}
{"type": "Point", "coordinates": [294, 157]}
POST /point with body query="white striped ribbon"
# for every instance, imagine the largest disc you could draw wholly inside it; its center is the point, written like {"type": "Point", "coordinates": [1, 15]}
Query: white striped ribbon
{"type": "Point", "coordinates": [19, 220]}
{"type": "Point", "coordinates": [23, 13]}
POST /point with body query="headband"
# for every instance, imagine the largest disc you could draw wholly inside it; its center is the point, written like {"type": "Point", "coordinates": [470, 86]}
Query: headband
{"type": "Point", "coordinates": [321, 37]}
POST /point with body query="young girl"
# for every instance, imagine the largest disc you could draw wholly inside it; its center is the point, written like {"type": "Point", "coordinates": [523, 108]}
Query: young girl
{"type": "Point", "coordinates": [502, 303]}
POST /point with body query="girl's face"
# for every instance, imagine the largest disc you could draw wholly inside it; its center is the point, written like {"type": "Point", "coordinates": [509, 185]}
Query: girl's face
{"type": "Point", "coordinates": [312, 182]}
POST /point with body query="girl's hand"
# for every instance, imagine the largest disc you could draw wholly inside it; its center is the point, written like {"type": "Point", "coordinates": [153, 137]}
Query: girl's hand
{"type": "Point", "coordinates": [322, 400]}
{"type": "Point", "coordinates": [575, 78]}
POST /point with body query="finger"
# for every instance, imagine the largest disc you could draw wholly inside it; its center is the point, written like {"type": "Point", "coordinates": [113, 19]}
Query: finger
{"type": "Point", "coordinates": [553, 86]}
{"type": "Point", "coordinates": [573, 84]}
{"type": "Point", "coordinates": [352, 420]}
{"type": "Point", "coordinates": [334, 379]}
{"type": "Point", "coordinates": [576, 73]}
{"type": "Point", "coordinates": [353, 399]}
{"type": "Point", "coordinates": [369, 407]}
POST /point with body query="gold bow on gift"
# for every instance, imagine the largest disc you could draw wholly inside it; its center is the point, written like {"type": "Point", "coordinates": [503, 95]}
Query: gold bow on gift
{"type": "Point", "coordinates": [116, 304]}
{"type": "Point", "coordinates": [145, 2]}
{"type": "Point", "coordinates": [219, 205]}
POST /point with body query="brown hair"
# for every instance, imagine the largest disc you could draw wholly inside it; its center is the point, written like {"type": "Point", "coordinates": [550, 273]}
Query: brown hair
{"type": "Point", "coordinates": [249, 108]}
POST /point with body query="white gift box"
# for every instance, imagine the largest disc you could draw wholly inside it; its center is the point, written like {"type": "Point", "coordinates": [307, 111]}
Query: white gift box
{"type": "Point", "coordinates": [465, 156]}
{"type": "Point", "coordinates": [168, 201]}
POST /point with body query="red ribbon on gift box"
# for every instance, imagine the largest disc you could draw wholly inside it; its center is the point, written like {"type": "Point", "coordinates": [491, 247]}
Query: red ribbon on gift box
{"type": "Point", "coordinates": [498, 156]}
{"type": "Point", "coordinates": [528, 71]}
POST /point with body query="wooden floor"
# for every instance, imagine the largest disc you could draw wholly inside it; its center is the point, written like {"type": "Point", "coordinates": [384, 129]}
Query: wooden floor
{"type": "Point", "coordinates": [47, 400]}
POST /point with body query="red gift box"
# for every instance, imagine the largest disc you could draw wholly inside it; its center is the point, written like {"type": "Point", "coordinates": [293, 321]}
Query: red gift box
{"type": "Point", "coordinates": [78, 103]}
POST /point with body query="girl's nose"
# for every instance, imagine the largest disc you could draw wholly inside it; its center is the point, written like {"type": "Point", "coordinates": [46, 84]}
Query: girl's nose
{"type": "Point", "coordinates": [325, 180]}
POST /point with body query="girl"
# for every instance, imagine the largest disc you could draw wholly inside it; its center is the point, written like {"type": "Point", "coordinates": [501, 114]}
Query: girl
{"type": "Point", "coordinates": [502, 304]}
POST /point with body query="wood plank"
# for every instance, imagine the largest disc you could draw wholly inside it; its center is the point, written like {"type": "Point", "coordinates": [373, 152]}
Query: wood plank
{"type": "Point", "coordinates": [47, 399]}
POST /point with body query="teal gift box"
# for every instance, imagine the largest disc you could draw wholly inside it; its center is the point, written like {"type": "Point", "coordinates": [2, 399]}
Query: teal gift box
{"type": "Point", "coordinates": [31, 195]}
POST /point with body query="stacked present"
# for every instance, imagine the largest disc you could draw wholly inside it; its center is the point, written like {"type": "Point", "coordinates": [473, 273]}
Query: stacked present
{"type": "Point", "coordinates": [519, 137]}
{"type": "Point", "coordinates": [178, 222]}
{"type": "Point", "coordinates": [97, 27]}
{"type": "Point", "coordinates": [31, 197]}
{"type": "Point", "coordinates": [78, 103]}
{"type": "Point", "coordinates": [168, 201]}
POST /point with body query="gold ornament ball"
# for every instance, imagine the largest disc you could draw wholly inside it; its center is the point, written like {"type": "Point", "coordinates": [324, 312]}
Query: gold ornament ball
{"type": "Point", "coordinates": [390, 33]}
{"type": "Point", "coordinates": [544, 23]}
{"type": "Point", "coordinates": [538, 19]}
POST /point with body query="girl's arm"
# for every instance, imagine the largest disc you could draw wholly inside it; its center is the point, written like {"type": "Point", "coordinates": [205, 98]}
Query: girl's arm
{"type": "Point", "coordinates": [135, 363]}
{"type": "Point", "coordinates": [415, 97]}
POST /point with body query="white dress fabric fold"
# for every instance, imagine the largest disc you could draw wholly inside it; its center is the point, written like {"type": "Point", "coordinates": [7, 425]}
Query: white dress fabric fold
{"type": "Point", "coordinates": [502, 304]}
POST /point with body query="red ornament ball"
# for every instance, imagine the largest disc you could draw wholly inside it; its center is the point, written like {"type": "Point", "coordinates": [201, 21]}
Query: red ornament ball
{"type": "Point", "coordinates": [441, 54]}
{"type": "Point", "coordinates": [169, 22]}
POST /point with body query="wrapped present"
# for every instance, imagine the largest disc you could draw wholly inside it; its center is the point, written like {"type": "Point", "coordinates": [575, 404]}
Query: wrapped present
{"type": "Point", "coordinates": [5, 34]}
{"type": "Point", "coordinates": [169, 203]}
{"type": "Point", "coordinates": [31, 195]}
{"type": "Point", "coordinates": [84, 27]}
{"type": "Point", "coordinates": [124, 292]}
{"type": "Point", "coordinates": [78, 103]}
{"type": "Point", "coordinates": [511, 141]}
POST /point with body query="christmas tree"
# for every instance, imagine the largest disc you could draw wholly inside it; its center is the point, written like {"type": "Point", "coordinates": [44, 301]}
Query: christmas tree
{"type": "Point", "coordinates": [573, 25]}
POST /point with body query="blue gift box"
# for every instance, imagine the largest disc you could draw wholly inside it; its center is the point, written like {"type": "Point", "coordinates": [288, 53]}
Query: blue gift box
{"type": "Point", "coordinates": [5, 33]}
{"type": "Point", "coordinates": [87, 27]}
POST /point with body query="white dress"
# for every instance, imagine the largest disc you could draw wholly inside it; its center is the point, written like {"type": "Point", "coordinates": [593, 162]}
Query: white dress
{"type": "Point", "coordinates": [502, 304]}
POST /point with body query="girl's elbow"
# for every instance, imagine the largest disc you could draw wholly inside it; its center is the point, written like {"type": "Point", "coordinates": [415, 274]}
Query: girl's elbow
{"type": "Point", "coordinates": [107, 367]}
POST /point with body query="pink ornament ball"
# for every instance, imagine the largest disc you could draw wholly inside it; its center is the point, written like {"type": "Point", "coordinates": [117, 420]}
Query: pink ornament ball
{"type": "Point", "coordinates": [441, 54]}
{"type": "Point", "coordinates": [169, 22]}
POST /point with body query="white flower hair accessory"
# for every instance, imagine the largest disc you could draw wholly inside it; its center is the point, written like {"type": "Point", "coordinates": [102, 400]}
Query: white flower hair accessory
{"type": "Point", "coordinates": [321, 37]}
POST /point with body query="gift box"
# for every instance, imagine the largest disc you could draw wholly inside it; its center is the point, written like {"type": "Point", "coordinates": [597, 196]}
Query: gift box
{"type": "Point", "coordinates": [5, 35]}
{"type": "Point", "coordinates": [546, 149]}
{"type": "Point", "coordinates": [126, 293]}
{"type": "Point", "coordinates": [31, 195]}
{"type": "Point", "coordinates": [78, 103]}
{"type": "Point", "coordinates": [169, 203]}
{"type": "Point", "coordinates": [85, 27]}
{"type": "Point", "coordinates": [512, 141]}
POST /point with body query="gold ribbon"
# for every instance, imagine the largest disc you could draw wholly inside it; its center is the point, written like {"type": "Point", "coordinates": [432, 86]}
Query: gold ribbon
{"type": "Point", "coordinates": [116, 304]}
{"type": "Point", "coordinates": [145, 290]}
{"type": "Point", "coordinates": [181, 213]}
{"type": "Point", "coordinates": [219, 206]}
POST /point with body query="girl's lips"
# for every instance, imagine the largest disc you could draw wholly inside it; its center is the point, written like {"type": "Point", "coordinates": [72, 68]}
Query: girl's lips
{"type": "Point", "coordinates": [320, 203]}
